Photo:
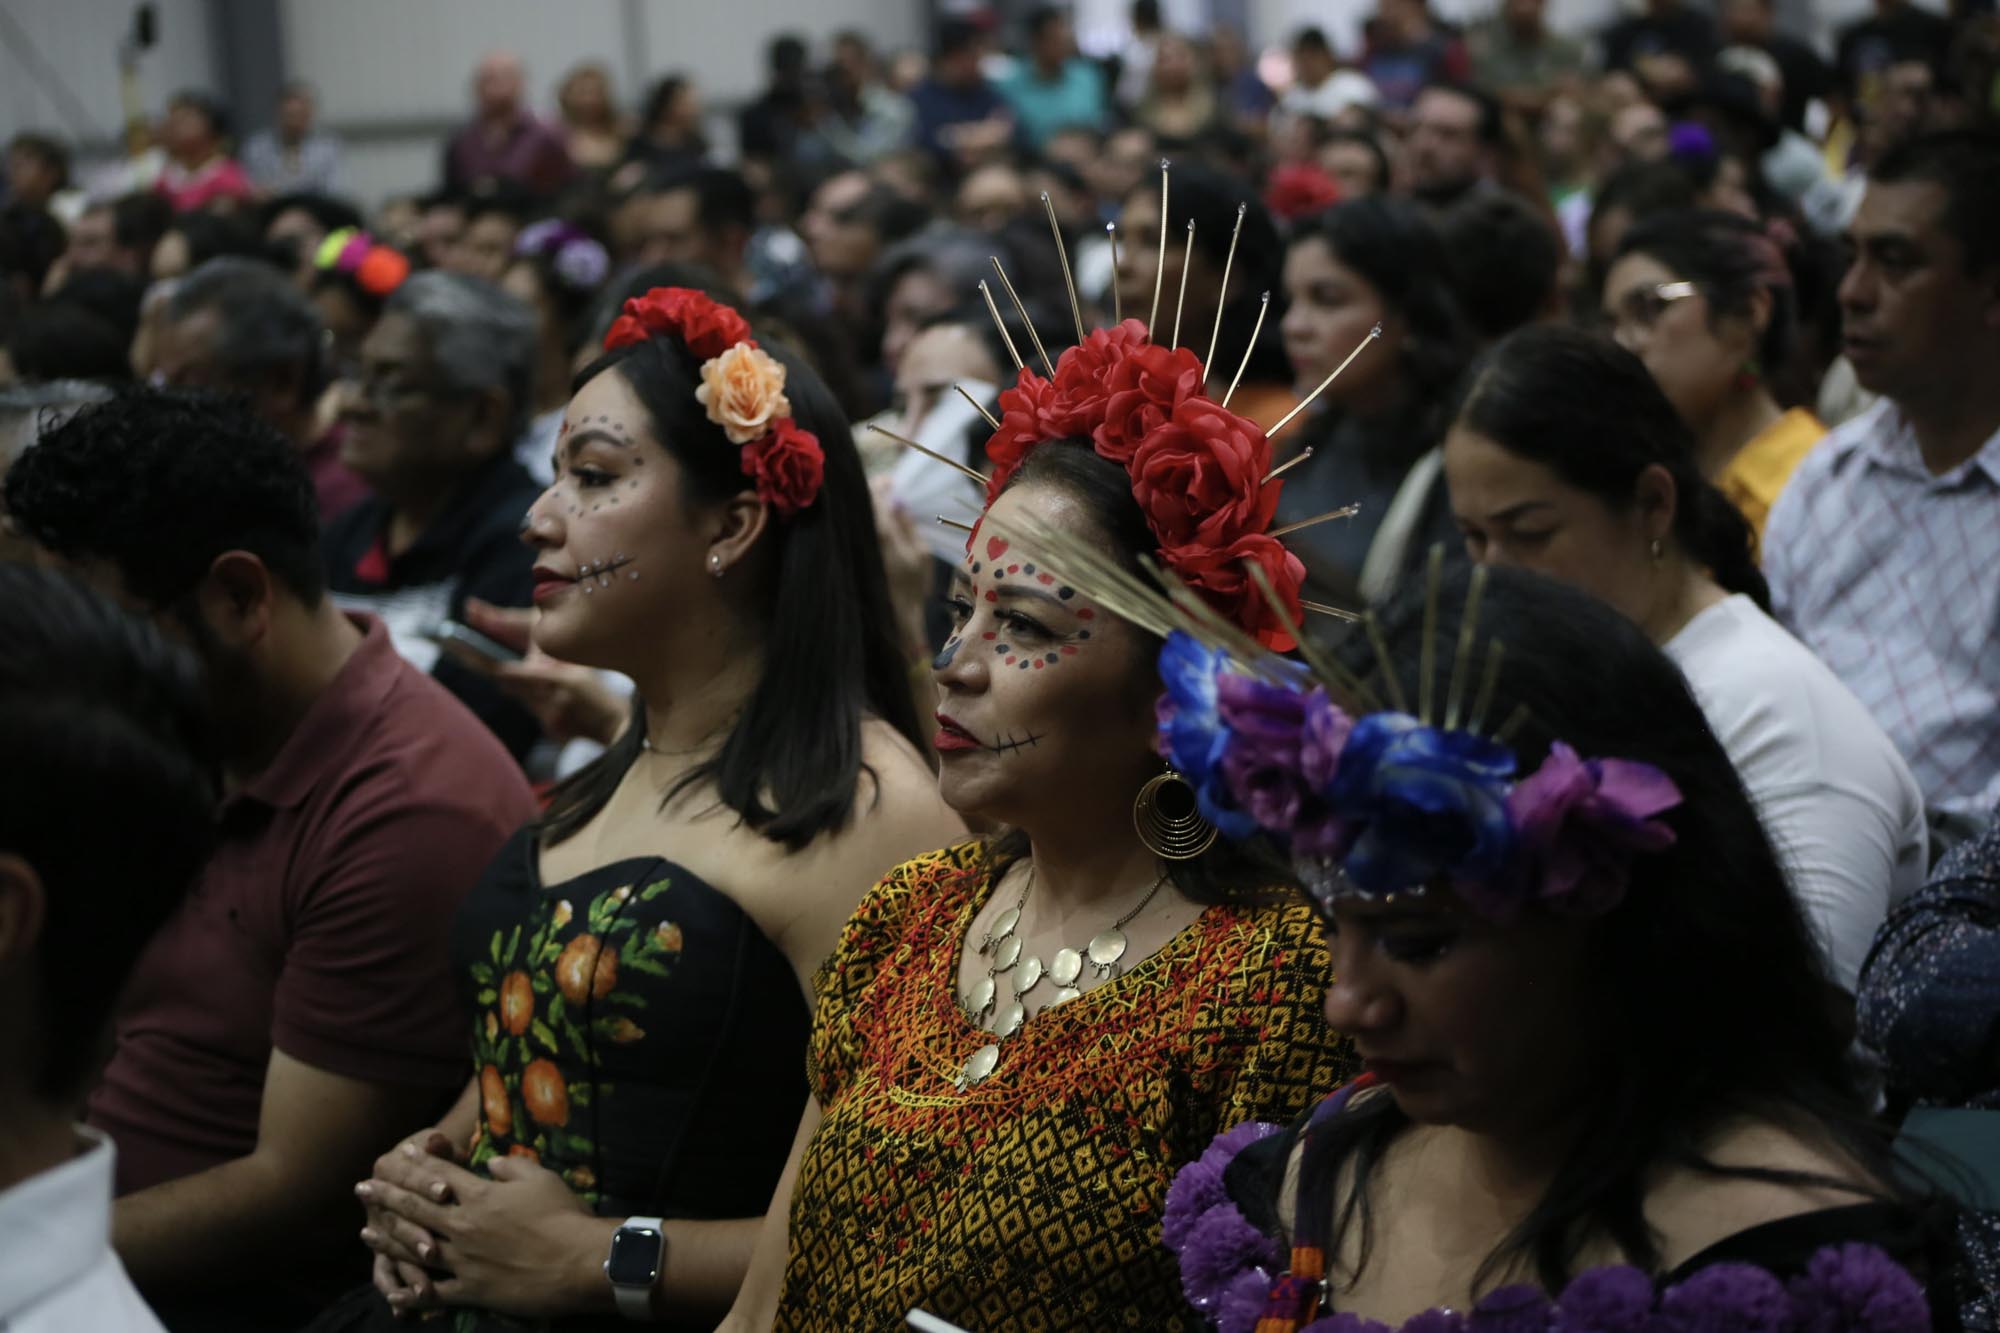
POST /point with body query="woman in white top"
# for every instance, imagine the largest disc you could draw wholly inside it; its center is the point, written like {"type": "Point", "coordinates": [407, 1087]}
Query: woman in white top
{"type": "Point", "coordinates": [1566, 458]}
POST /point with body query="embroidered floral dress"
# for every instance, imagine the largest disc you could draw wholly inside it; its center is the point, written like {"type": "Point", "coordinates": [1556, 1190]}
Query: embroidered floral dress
{"type": "Point", "coordinates": [635, 1032]}
{"type": "Point", "coordinates": [1032, 1200]}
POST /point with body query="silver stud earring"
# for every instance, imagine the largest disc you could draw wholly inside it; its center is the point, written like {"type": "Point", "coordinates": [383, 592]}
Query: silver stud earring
{"type": "Point", "coordinates": [715, 565]}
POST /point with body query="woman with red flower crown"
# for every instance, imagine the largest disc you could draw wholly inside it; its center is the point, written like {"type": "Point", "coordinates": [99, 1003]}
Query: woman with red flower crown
{"type": "Point", "coordinates": [638, 960]}
{"type": "Point", "coordinates": [1019, 1038]}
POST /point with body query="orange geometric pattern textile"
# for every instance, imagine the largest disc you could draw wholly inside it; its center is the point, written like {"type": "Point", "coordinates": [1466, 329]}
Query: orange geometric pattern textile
{"type": "Point", "coordinates": [1032, 1200]}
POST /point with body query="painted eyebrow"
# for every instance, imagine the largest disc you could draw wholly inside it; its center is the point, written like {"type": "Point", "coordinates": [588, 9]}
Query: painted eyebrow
{"type": "Point", "coordinates": [1040, 594]}
{"type": "Point", "coordinates": [592, 434]}
{"type": "Point", "coordinates": [1513, 512]}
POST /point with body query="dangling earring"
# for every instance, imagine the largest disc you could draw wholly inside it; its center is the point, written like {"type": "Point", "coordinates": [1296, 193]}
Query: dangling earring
{"type": "Point", "coordinates": [1167, 820]}
{"type": "Point", "coordinates": [1657, 551]}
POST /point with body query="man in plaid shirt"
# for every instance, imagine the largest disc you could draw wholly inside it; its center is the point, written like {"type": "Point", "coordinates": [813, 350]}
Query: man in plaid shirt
{"type": "Point", "coordinates": [1884, 551]}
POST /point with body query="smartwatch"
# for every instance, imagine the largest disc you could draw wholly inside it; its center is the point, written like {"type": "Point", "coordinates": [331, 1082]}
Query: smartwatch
{"type": "Point", "coordinates": [638, 1253]}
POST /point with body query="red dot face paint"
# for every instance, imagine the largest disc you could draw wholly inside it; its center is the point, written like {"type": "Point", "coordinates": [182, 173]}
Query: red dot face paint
{"type": "Point", "coordinates": [992, 596]}
{"type": "Point", "coordinates": [1045, 579]}
{"type": "Point", "coordinates": [1085, 613]}
{"type": "Point", "coordinates": [989, 636]}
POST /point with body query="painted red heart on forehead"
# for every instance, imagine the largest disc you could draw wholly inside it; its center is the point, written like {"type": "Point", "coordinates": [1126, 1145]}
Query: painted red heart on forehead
{"type": "Point", "coordinates": [995, 546]}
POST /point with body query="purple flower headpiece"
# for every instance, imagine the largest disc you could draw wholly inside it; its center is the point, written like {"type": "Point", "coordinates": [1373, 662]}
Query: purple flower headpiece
{"type": "Point", "coordinates": [573, 253]}
{"type": "Point", "coordinates": [1389, 803]}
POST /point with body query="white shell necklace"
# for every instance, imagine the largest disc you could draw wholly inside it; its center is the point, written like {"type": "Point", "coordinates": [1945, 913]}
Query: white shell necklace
{"type": "Point", "coordinates": [1001, 947]}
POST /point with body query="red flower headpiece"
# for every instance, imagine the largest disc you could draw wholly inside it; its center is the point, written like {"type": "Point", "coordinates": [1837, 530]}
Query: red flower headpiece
{"type": "Point", "coordinates": [742, 389]}
{"type": "Point", "coordinates": [1198, 470]}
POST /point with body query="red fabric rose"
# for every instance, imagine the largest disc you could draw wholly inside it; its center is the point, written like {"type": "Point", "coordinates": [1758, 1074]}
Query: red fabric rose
{"type": "Point", "coordinates": [1200, 477]}
{"type": "Point", "coordinates": [1083, 372]}
{"type": "Point", "coordinates": [1218, 573]}
{"type": "Point", "coordinates": [1300, 189]}
{"type": "Point", "coordinates": [787, 465]}
{"type": "Point", "coordinates": [1032, 412]}
{"type": "Point", "coordinates": [708, 327]}
{"type": "Point", "coordinates": [1142, 391]}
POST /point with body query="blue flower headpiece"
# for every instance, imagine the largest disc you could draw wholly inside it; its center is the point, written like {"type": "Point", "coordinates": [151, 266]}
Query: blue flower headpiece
{"type": "Point", "coordinates": [1387, 802]}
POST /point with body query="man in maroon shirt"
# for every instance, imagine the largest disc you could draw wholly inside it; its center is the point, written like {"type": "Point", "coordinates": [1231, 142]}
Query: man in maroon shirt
{"type": "Point", "coordinates": [298, 1010]}
{"type": "Point", "coordinates": [505, 142]}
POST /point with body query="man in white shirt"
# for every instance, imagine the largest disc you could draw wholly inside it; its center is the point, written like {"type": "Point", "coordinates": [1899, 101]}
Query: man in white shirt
{"type": "Point", "coordinates": [106, 813]}
{"type": "Point", "coordinates": [1320, 87]}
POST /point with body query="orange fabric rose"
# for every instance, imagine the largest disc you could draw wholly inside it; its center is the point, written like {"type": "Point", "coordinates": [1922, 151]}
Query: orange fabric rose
{"type": "Point", "coordinates": [586, 968]}
{"type": "Point", "coordinates": [744, 392]}
{"type": "Point", "coordinates": [544, 1093]}
{"type": "Point", "coordinates": [517, 1002]}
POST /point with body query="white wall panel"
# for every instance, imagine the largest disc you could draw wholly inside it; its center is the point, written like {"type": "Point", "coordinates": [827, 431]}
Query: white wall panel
{"type": "Point", "coordinates": [722, 45]}
{"type": "Point", "coordinates": [72, 46]}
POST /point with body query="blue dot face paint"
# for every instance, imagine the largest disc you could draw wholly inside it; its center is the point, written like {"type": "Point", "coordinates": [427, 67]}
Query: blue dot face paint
{"type": "Point", "coordinates": [949, 651]}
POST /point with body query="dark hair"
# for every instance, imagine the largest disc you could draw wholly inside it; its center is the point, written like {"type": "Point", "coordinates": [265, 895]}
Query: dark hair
{"type": "Point", "coordinates": [786, 54]}
{"type": "Point", "coordinates": [139, 220]}
{"type": "Point", "coordinates": [1227, 872]}
{"type": "Point", "coordinates": [210, 109]}
{"type": "Point", "coordinates": [1209, 199]}
{"type": "Point", "coordinates": [213, 235]}
{"type": "Point", "coordinates": [1643, 189]}
{"type": "Point", "coordinates": [1146, 13]}
{"type": "Point", "coordinates": [1366, 140]}
{"type": "Point", "coordinates": [636, 282]}
{"type": "Point", "coordinates": [1757, 1035]}
{"type": "Point", "coordinates": [1589, 411]}
{"type": "Point", "coordinates": [1394, 248]}
{"type": "Point", "coordinates": [1492, 127]}
{"type": "Point", "coordinates": [331, 213]}
{"type": "Point", "coordinates": [792, 762]}
{"type": "Point", "coordinates": [46, 147]}
{"type": "Point", "coordinates": [31, 241]}
{"type": "Point", "coordinates": [265, 328]}
{"type": "Point", "coordinates": [1504, 257]}
{"type": "Point", "coordinates": [955, 36]}
{"type": "Point", "coordinates": [722, 197]}
{"type": "Point", "coordinates": [1731, 259]}
{"type": "Point", "coordinates": [108, 794]}
{"type": "Point", "coordinates": [59, 340]}
{"type": "Point", "coordinates": [1040, 18]}
{"type": "Point", "coordinates": [111, 294]}
{"type": "Point", "coordinates": [659, 98]}
{"type": "Point", "coordinates": [1312, 39]}
{"type": "Point", "coordinates": [1965, 164]}
{"type": "Point", "coordinates": [160, 483]}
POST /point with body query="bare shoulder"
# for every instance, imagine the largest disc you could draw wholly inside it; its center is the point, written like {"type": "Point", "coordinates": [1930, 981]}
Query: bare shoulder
{"type": "Point", "coordinates": [1692, 1210]}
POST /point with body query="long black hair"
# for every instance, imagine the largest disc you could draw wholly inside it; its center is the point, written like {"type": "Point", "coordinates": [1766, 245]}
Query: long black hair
{"type": "Point", "coordinates": [790, 765]}
{"type": "Point", "coordinates": [1209, 199]}
{"type": "Point", "coordinates": [1707, 994]}
{"type": "Point", "coordinates": [1391, 245]}
{"type": "Point", "coordinates": [1589, 411]}
{"type": "Point", "coordinates": [1227, 872]}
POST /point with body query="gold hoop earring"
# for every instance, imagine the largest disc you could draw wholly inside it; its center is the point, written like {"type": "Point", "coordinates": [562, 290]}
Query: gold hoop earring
{"type": "Point", "coordinates": [1169, 822]}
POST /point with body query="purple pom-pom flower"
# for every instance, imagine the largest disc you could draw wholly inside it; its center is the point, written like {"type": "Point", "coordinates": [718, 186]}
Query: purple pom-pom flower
{"type": "Point", "coordinates": [1726, 1298]}
{"type": "Point", "coordinates": [1579, 823]}
{"type": "Point", "coordinates": [1221, 1244]}
{"type": "Point", "coordinates": [1858, 1287]}
{"type": "Point", "coordinates": [1198, 1185]}
{"type": "Point", "coordinates": [1243, 1302]}
{"type": "Point", "coordinates": [1346, 1323]}
{"type": "Point", "coordinates": [1517, 1309]}
{"type": "Point", "coordinates": [1441, 1320]}
{"type": "Point", "coordinates": [1614, 1299]}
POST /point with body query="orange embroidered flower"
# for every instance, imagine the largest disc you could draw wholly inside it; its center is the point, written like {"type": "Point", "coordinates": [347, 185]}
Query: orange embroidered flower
{"type": "Point", "coordinates": [517, 1002]}
{"type": "Point", "coordinates": [624, 1030]}
{"type": "Point", "coordinates": [492, 1025]}
{"type": "Point", "coordinates": [523, 1150]}
{"type": "Point", "coordinates": [586, 968]}
{"type": "Point", "coordinates": [544, 1093]}
{"type": "Point", "coordinates": [668, 936]}
{"type": "Point", "coordinates": [744, 392]}
{"type": "Point", "coordinates": [493, 1098]}
{"type": "Point", "coordinates": [580, 1178]}
{"type": "Point", "coordinates": [563, 913]}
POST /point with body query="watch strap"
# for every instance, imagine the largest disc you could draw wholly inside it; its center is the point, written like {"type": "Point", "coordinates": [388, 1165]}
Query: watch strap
{"type": "Point", "coordinates": [635, 1301]}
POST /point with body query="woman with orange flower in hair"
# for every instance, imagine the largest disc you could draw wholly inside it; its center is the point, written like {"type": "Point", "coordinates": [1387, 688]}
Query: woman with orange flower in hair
{"type": "Point", "coordinates": [1018, 1039]}
{"type": "Point", "coordinates": [638, 959]}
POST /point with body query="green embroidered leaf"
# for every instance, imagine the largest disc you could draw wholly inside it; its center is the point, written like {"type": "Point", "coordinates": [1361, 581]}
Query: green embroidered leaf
{"type": "Point", "coordinates": [578, 1144]}
{"type": "Point", "coordinates": [579, 1094]}
{"type": "Point", "coordinates": [627, 998]}
{"type": "Point", "coordinates": [493, 948]}
{"type": "Point", "coordinates": [650, 967]}
{"type": "Point", "coordinates": [541, 983]}
{"type": "Point", "coordinates": [557, 1010]}
{"type": "Point", "coordinates": [481, 973]}
{"type": "Point", "coordinates": [541, 1033]}
{"type": "Point", "coordinates": [654, 890]}
{"type": "Point", "coordinates": [486, 996]}
{"type": "Point", "coordinates": [513, 942]}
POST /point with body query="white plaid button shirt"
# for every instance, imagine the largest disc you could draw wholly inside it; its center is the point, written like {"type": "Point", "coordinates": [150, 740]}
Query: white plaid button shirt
{"type": "Point", "coordinates": [1892, 576]}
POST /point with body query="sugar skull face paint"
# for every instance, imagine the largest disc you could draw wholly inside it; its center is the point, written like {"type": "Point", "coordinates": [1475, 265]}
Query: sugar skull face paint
{"type": "Point", "coordinates": [1041, 696]}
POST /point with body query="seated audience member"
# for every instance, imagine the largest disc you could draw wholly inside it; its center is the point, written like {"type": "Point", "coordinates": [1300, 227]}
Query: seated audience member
{"type": "Point", "coordinates": [1355, 161]}
{"type": "Point", "coordinates": [239, 326]}
{"type": "Point", "coordinates": [353, 275]}
{"type": "Point", "coordinates": [298, 1008]}
{"type": "Point", "coordinates": [594, 129]}
{"type": "Point", "coordinates": [296, 225]}
{"type": "Point", "coordinates": [1374, 432]}
{"type": "Point", "coordinates": [1525, 63]}
{"type": "Point", "coordinates": [27, 412]}
{"type": "Point", "coordinates": [1407, 50]}
{"type": "Point", "coordinates": [688, 884]}
{"type": "Point", "coordinates": [192, 239]}
{"type": "Point", "coordinates": [1665, 45]}
{"type": "Point", "coordinates": [199, 173]}
{"type": "Point", "coordinates": [486, 245]}
{"type": "Point", "coordinates": [442, 392]}
{"type": "Point", "coordinates": [1534, 1114]}
{"type": "Point", "coordinates": [556, 272]}
{"type": "Point", "coordinates": [1506, 259]}
{"type": "Point", "coordinates": [847, 229]}
{"type": "Point", "coordinates": [961, 118]}
{"type": "Point", "coordinates": [1180, 105]}
{"type": "Point", "coordinates": [669, 140]}
{"type": "Point", "coordinates": [1929, 1004]}
{"type": "Point", "coordinates": [294, 156]}
{"type": "Point", "coordinates": [31, 249]}
{"type": "Point", "coordinates": [1707, 301]}
{"type": "Point", "coordinates": [113, 295]}
{"type": "Point", "coordinates": [98, 712]}
{"type": "Point", "coordinates": [1566, 458]}
{"type": "Point", "coordinates": [919, 279]}
{"type": "Point", "coordinates": [1051, 87]}
{"type": "Point", "coordinates": [120, 234]}
{"type": "Point", "coordinates": [38, 176]}
{"type": "Point", "coordinates": [504, 143]}
{"type": "Point", "coordinates": [1320, 88]}
{"type": "Point", "coordinates": [1627, 196]}
{"type": "Point", "coordinates": [1454, 142]}
{"type": "Point", "coordinates": [701, 216]}
{"type": "Point", "coordinates": [58, 340]}
{"type": "Point", "coordinates": [1884, 550]}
